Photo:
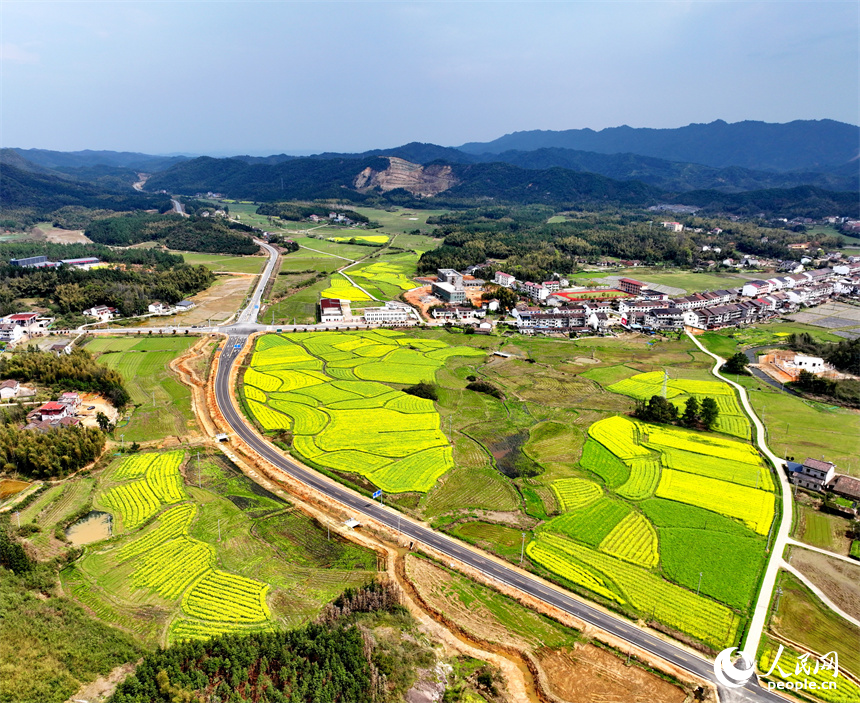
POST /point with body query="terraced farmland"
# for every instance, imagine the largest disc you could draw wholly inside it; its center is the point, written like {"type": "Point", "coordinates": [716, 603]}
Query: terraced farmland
{"type": "Point", "coordinates": [677, 530]}
{"type": "Point", "coordinates": [185, 556]}
{"type": "Point", "coordinates": [342, 416]}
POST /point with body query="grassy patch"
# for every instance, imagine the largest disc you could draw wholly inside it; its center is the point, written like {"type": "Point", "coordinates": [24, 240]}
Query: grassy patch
{"type": "Point", "coordinates": [505, 541]}
{"type": "Point", "coordinates": [162, 403]}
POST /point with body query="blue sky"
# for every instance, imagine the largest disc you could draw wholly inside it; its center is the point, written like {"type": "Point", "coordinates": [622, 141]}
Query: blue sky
{"type": "Point", "coordinates": [270, 77]}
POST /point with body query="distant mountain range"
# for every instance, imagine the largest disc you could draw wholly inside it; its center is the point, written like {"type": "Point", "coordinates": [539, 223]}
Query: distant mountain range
{"type": "Point", "coordinates": [719, 159]}
{"type": "Point", "coordinates": [802, 145]}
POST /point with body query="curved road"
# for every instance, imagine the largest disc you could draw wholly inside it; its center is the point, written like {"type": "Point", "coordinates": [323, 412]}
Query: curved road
{"type": "Point", "coordinates": [520, 580]}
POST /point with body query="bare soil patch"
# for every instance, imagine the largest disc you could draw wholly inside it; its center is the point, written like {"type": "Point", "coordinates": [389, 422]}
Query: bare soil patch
{"type": "Point", "coordinates": [98, 404]}
{"type": "Point", "coordinates": [589, 673]}
{"type": "Point", "coordinates": [103, 687]}
{"type": "Point", "coordinates": [218, 303]}
{"type": "Point", "coordinates": [839, 580]}
{"type": "Point", "coordinates": [60, 236]}
{"type": "Point", "coordinates": [421, 298]}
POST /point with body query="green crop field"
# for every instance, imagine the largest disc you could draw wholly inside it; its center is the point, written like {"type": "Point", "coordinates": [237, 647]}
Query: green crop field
{"type": "Point", "coordinates": [727, 341]}
{"type": "Point", "coordinates": [222, 262]}
{"type": "Point", "coordinates": [688, 281]}
{"type": "Point", "coordinates": [206, 552]}
{"type": "Point", "coordinates": [816, 528]}
{"type": "Point", "coordinates": [162, 403]}
{"type": "Point", "coordinates": [344, 419]}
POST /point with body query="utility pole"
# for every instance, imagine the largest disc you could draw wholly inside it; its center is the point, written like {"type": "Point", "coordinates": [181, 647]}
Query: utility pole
{"type": "Point", "coordinates": [18, 515]}
{"type": "Point", "coordinates": [523, 548]}
{"type": "Point", "coordinates": [122, 439]}
{"type": "Point", "coordinates": [199, 477]}
{"type": "Point", "coordinates": [699, 587]}
{"type": "Point", "coordinates": [219, 529]}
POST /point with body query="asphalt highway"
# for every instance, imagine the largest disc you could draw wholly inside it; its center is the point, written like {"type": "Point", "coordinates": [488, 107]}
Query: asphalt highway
{"type": "Point", "coordinates": [612, 624]}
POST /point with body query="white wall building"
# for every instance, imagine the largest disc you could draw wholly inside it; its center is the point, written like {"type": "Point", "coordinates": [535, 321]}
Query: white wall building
{"type": "Point", "coordinates": [390, 313]}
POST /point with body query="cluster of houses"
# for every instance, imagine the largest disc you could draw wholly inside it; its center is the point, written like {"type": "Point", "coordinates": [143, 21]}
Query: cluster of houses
{"type": "Point", "coordinates": [55, 413]}
{"type": "Point", "coordinates": [652, 310]}
{"type": "Point", "coordinates": [819, 475]}
{"type": "Point", "coordinates": [15, 328]}
{"type": "Point", "coordinates": [337, 217]}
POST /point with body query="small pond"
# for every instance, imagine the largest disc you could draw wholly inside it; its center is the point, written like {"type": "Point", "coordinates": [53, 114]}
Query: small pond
{"type": "Point", "coordinates": [92, 527]}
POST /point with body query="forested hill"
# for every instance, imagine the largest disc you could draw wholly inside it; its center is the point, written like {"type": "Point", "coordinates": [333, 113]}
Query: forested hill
{"type": "Point", "coordinates": [88, 158]}
{"type": "Point", "coordinates": [309, 179]}
{"type": "Point", "coordinates": [43, 193]}
{"type": "Point", "coordinates": [554, 185]}
{"type": "Point", "coordinates": [210, 234]}
{"type": "Point", "coordinates": [296, 179]}
{"type": "Point", "coordinates": [802, 145]}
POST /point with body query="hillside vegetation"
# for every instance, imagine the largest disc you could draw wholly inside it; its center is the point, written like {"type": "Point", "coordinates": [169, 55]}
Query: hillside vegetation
{"type": "Point", "coordinates": [207, 234]}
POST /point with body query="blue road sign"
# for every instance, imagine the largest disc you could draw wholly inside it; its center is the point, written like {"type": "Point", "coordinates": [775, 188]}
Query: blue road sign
{"type": "Point", "coordinates": [377, 494]}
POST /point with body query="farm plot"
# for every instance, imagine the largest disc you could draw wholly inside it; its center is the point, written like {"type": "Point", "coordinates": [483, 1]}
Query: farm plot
{"type": "Point", "coordinates": [339, 287]}
{"type": "Point", "coordinates": [619, 436]}
{"type": "Point", "coordinates": [162, 403]}
{"type": "Point", "coordinates": [592, 523]}
{"type": "Point", "coordinates": [597, 458]}
{"type": "Point", "coordinates": [574, 493]}
{"type": "Point", "coordinates": [227, 597]}
{"type": "Point", "coordinates": [702, 533]}
{"type": "Point", "coordinates": [355, 423]}
{"type": "Point", "coordinates": [704, 619]}
{"type": "Point", "coordinates": [753, 507]}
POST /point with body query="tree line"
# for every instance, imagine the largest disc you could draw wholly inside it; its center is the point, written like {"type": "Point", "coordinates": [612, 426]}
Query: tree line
{"type": "Point", "coordinates": [695, 414]}
{"type": "Point", "coordinates": [205, 234]}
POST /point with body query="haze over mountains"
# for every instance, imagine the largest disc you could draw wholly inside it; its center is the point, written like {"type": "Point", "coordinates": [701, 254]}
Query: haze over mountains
{"type": "Point", "coordinates": [623, 164]}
